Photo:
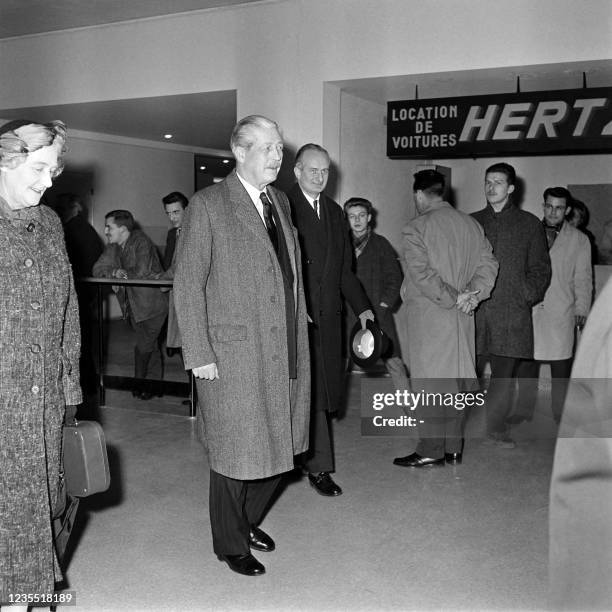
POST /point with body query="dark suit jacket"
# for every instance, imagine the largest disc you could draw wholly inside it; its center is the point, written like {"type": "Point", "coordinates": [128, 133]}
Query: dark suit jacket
{"type": "Point", "coordinates": [170, 247]}
{"type": "Point", "coordinates": [327, 257]}
{"type": "Point", "coordinates": [139, 258]}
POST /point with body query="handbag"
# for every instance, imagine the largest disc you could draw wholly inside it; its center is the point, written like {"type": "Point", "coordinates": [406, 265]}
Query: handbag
{"type": "Point", "coordinates": [85, 459]}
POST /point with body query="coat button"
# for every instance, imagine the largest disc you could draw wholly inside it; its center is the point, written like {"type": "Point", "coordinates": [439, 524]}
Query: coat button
{"type": "Point", "coordinates": [270, 269]}
{"type": "Point", "coordinates": [35, 348]}
{"type": "Point", "coordinates": [35, 389]}
{"type": "Point", "coordinates": [274, 329]}
{"type": "Point", "coordinates": [35, 305]}
{"type": "Point", "coordinates": [273, 298]}
{"type": "Point", "coordinates": [274, 357]}
{"type": "Point", "coordinates": [31, 226]}
{"type": "Point", "coordinates": [28, 263]}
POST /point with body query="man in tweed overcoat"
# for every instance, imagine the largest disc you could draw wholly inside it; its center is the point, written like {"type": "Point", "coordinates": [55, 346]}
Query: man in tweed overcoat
{"type": "Point", "coordinates": [241, 312]}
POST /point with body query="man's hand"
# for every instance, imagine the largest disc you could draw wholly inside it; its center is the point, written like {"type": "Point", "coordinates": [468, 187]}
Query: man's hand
{"type": "Point", "coordinates": [580, 321]}
{"type": "Point", "coordinates": [207, 372]}
{"type": "Point", "coordinates": [120, 273]}
{"type": "Point", "coordinates": [467, 301]}
{"type": "Point", "coordinates": [366, 315]}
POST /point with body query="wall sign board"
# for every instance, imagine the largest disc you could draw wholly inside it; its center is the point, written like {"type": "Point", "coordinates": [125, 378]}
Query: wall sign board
{"type": "Point", "coordinates": [533, 123]}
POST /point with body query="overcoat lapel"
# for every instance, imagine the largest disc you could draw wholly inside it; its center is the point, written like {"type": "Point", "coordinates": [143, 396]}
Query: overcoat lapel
{"type": "Point", "coordinates": [245, 211]}
{"type": "Point", "coordinates": [289, 238]}
{"type": "Point", "coordinates": [560, 241]}
{"type": "Point", "coordinates": [326, 218]}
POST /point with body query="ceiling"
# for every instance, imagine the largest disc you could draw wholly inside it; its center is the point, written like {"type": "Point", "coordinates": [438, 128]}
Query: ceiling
{"type": "Point", "coordinates": [205, 120]}
{"type": "Point", "coordinates": [21, 17]}
{"type": "Point", "coordinates": [196, 120]}
{"type": "Point", "coordinates": [568, 75]}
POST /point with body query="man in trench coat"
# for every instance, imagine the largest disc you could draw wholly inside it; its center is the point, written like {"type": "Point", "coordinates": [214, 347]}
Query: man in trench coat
{"type": "Point", "coordinates": [327, 258]}
{"type": "Point", "coordinates": [241, 311]}
{"type": "Point", "coordinates": [450, 269]}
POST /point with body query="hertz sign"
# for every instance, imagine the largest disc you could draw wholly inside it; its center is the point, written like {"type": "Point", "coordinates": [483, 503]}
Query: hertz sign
{"type": "Point", "coordinates": [536, 123]}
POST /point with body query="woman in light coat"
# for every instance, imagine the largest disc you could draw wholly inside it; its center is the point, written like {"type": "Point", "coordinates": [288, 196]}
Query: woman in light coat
{"type": "Point", "coordinates": [39, 357]}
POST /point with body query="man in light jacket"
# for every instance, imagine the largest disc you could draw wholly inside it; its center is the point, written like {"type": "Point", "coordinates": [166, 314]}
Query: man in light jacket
{"type": "Point", "coordinates": [564, 308]}
{"type": "Point", "coordinates": [131, 254]}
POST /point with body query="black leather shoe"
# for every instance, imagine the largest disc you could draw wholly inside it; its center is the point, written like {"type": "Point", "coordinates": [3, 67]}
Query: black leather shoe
{"type": "Point", "coordinates": [145, 395]}
{"type": "Point", "coordinates": [323, 484]}
{"type": "Point", "coordinates": [260, 540]}
{"type": "Point", "coordinates": [415, 460]}
{"type": "Point", "coordinates": [246, 564]}
{"type": "Point", "coordinates": [453, 458]}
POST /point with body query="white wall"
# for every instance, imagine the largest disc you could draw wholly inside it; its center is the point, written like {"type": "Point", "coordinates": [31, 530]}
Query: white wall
{"type": "Point", "coordinates": [278, 54]}
{"type": "Point", "coordinates": [131, 177]}
{"type": "Point", "coordinates": [366, 171]}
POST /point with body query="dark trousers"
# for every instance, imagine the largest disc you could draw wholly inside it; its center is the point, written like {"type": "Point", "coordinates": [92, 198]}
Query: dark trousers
{"type": "Point", "coordinates": [529, 373]}
{"type": "Point", "coordinates": [320, 454]}
{"type": "Point", "coordinates": [234, 506]}
{"type": "Point", "coordinates": [443, 434]}
{"type": "Point", "coordinates": [501, 390]}
{"type": "Point", "coordinates": [440, 427]}
{"type": "Point", "coordinates": [147, 352]}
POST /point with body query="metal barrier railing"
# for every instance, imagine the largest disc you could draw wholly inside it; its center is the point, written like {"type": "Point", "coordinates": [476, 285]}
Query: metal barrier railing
{"type": "Point", "coordinates": [122, 382]}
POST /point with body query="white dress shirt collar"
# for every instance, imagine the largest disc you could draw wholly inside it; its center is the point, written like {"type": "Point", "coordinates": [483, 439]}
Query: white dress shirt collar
{"type": "Point", "coordinates": [311, 200]}
{"type": "Point", "coordinates": [254, 194]}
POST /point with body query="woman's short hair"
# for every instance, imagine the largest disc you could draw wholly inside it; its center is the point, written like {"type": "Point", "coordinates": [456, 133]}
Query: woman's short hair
{"type": "Point", "coordinates": [352, 202]}
{"type": "Point", "coordinates": [579, 211]}
{"type": "Point", "coordinates": [21, 137]}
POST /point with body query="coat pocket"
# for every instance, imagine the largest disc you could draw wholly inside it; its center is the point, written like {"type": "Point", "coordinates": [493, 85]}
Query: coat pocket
{"type": "Point", "coordinates": [227, 333]}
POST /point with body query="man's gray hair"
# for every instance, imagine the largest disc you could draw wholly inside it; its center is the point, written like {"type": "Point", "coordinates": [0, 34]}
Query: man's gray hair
{"type": "Point", "coordinates": [242, 135]}
{"type": "Point", "coordinates": [310, 146]}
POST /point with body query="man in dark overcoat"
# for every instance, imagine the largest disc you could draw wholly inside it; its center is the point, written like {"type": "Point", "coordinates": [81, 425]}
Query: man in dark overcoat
{"type": "Point", "coordinates": [327, 257]}
{"type": "Point", "coordinates": [242, 316]}
{"type": "Point", "coordinates": [504, 329]}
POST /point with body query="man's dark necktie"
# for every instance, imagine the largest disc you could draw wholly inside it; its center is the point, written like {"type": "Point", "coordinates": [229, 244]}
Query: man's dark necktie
{"type": "Point", "coordinates": [269, 219]}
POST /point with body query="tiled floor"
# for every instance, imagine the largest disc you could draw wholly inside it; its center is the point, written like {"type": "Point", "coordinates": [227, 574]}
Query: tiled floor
{"type": "Point", "coordinates": [467, 537]}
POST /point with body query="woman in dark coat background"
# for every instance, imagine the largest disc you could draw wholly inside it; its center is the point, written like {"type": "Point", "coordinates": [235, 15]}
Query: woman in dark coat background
{"type": "Point", "coordinates": [39, 356]}
{"type": "Point", "coordinates": [379, 272]}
